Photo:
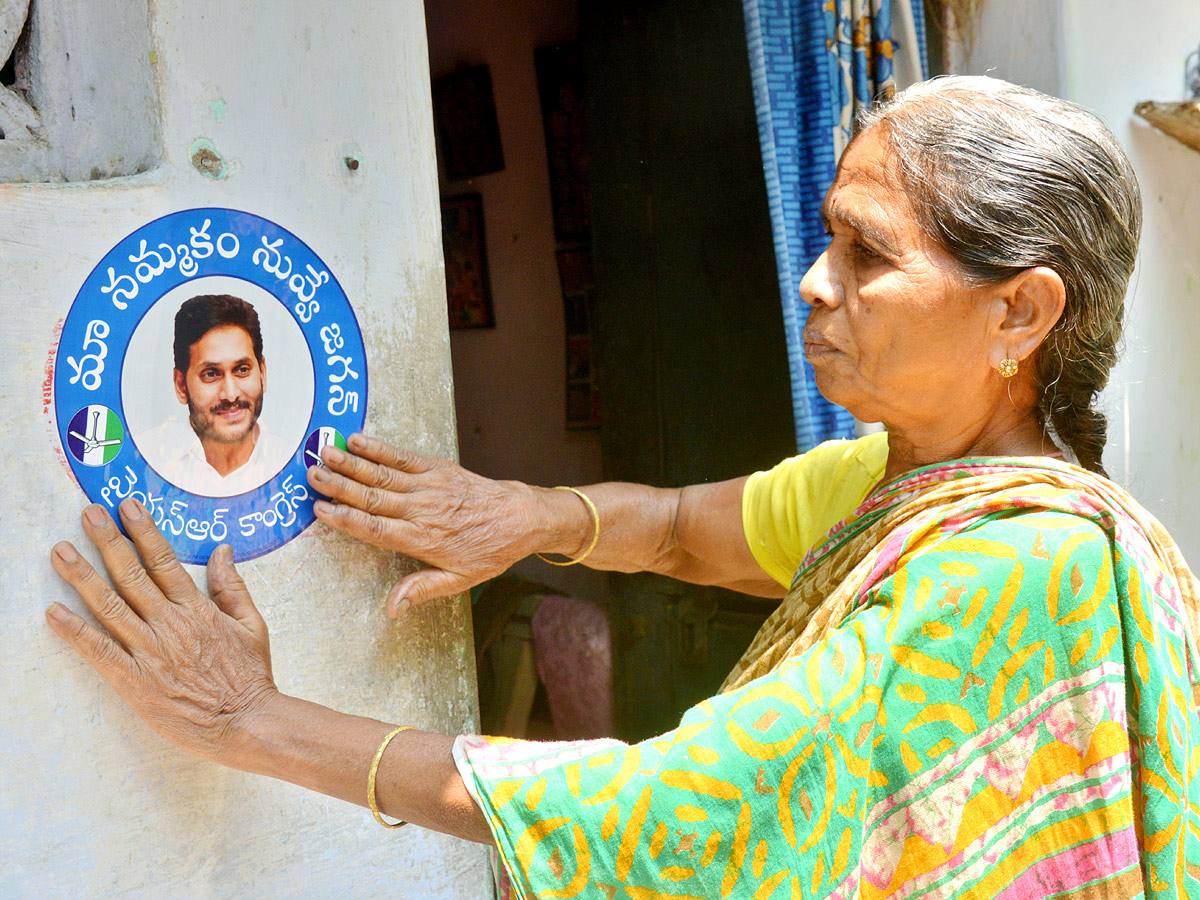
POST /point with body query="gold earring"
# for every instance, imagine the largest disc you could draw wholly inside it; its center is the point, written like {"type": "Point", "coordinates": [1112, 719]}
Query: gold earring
{"type": "Point", "coordinates": [1007, 368]}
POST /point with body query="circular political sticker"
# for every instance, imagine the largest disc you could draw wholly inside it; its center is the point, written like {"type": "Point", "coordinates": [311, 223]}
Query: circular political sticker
{"type": "Point", "coordinates": [204, 363]}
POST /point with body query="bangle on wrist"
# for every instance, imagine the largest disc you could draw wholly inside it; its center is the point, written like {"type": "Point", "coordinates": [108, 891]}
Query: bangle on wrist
{"type": "Point", "coordinates": [595, 524]}
{"type": "Point", "coordinates": [374, 807]}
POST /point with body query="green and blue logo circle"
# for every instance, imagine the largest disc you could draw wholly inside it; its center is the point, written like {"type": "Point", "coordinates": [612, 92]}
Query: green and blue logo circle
{"type": "Point", "coordinates": [321, 437]}
{"type": "Point", "coordinates": [95, 435]}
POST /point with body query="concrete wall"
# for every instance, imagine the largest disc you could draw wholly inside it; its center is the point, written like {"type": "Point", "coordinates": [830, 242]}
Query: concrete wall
{"type": "Point", "coordinates": [95, 805]}
{"type": "Point", "coordinates": [1108, 55]}
{"type": "Point", "coordinates": [509, 381]}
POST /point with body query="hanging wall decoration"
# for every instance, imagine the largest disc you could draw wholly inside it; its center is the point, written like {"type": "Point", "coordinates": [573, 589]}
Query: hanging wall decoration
{"type": "Point", "coordinates": [468, 132]}
{"type": "Point", "coordinates": [468, 289]}
{"type": "Point", "coordinates": [560, 87]}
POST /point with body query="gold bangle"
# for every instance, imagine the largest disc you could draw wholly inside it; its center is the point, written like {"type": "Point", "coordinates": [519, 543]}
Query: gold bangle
{"type": "Point", "coordinates": [595, 522]}
{"type": "Point", "coordinates": [374, 771]}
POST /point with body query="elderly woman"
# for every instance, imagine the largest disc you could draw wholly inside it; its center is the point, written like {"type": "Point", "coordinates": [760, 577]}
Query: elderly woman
{"type": "Point", "coordinates": [979, 682]}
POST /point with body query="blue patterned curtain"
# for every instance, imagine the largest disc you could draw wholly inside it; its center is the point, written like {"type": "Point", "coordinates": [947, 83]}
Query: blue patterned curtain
{"type": "Point", "coordinates": [814, 63]}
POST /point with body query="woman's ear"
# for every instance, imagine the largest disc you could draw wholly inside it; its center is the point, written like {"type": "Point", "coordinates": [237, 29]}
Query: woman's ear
{"type": "Point", "coordinates": [1033, 303]}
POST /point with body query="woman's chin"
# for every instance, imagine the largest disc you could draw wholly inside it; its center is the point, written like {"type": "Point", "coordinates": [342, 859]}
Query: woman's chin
{"type": "Point", "coordinates": [836, 391]}
{"type": "Point", "coordinates": [832, 387]}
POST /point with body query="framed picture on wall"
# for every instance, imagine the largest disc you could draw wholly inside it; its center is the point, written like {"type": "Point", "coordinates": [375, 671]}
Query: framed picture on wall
{"type": "Point", "coordinates": [468, 291]}
{"type": "Point", "coordinates": [468, 132]}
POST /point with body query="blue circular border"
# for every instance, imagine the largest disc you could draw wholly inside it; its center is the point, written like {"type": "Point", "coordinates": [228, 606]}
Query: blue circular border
{"type": "Point", "coordinates": [135, 277]}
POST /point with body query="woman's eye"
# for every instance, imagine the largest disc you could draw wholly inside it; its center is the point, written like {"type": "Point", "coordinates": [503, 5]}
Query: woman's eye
{"type": "Point", "coordinates": [864, 254]}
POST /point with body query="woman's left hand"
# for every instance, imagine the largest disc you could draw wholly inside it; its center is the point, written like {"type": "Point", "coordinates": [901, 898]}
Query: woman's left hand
{"type": "Point", "coordinates": [195, 669]}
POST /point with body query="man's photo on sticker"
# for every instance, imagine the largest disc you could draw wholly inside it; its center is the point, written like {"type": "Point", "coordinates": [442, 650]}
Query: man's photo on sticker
{"type": "Point", "coordinates": [220, 380]}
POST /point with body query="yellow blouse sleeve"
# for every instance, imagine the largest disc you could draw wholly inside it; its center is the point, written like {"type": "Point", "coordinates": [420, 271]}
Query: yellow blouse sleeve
{"type": "Point", "coordinates": [790, 508]}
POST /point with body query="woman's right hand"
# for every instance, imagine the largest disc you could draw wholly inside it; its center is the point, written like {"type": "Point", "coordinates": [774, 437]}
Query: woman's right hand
{"type": "Point", "coordinates": [464, 527]}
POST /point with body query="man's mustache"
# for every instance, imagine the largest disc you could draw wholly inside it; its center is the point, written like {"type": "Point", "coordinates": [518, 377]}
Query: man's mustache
{"type": "Point", "coordinates": [225, 405]}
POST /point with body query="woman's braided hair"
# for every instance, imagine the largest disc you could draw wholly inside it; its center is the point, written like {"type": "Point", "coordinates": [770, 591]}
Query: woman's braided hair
{"type": "Point", "coordinates": [1006, 178]}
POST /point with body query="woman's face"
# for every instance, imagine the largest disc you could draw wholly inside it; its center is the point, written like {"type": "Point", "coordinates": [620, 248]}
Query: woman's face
{"type": "Point", "coordinates": [895, 334]}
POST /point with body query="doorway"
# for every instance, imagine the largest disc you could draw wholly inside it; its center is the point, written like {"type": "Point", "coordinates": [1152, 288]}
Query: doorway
{"type": "Point", "coordinates": [689, 352]}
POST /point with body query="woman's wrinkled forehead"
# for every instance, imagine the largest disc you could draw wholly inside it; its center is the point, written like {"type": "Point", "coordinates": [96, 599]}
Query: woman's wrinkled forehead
{"type": "Point", "coordinates": [870, 155]}
{"type": "Point", "coordinates": [867, 194]}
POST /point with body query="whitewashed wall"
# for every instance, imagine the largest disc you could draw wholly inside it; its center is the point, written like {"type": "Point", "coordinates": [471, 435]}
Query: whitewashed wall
{"type": "Point", "coordinates": [1108, 55]}
{"type": "Point", "coordinates": [93, 804]}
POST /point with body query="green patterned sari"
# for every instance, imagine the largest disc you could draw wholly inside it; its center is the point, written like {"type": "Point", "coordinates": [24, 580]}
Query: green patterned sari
{"type": "Point", "coordinates": [979, 686]}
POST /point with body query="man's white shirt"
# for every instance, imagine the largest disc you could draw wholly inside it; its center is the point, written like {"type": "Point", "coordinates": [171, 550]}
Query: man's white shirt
{"type": "Point", "coordinates": [174, 452]}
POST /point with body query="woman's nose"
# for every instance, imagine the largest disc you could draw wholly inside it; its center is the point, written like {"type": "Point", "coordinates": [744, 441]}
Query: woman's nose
{"type": "Point", "coordinates": [818, 286]}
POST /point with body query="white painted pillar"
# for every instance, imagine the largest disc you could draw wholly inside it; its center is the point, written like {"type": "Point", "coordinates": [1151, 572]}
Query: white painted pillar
{"type": "Point", "coordinates": [255, 107]}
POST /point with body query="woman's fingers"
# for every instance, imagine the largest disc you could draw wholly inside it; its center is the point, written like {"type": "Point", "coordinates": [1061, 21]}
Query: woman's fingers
{"type": "Point", "coordinates": [158, 559]}
{"type": "Point", "coordinates": [229, 591]}
{"type": "Point", "coordinates": [106, 605]}
{"type": "Point", "coordinates": [364, 471]}
{"type": "Point", "coordinates": [126, 570]}
{"type": "Point", "coordinates": [378, 530]}
{"type": "Point", "coordinates": [385, 454]}
{"type": "Point", "coordinates": [424, 585]}
{"type": "Point", "coordinates": [110, 660]}
{"type": "Point", "coordinates": [374, 500]}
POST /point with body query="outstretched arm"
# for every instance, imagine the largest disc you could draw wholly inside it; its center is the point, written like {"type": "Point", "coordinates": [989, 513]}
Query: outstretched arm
{"type": "Point", "coordinates": [467, 528]}
{"type": "Point", "coordinates": [198, 671]}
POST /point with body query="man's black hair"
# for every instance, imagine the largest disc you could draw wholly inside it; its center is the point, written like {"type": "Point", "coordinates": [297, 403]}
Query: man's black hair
{"type": "Point", "coordinates": [200, 315]}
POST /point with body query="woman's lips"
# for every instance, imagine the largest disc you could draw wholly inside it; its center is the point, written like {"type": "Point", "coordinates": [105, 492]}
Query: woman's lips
{"type": "Point", "coordinates": [815, 345]}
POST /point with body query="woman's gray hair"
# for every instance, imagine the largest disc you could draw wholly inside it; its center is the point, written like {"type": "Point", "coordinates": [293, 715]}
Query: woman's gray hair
{"type": "Point", "coordinates": [1006, 178]}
